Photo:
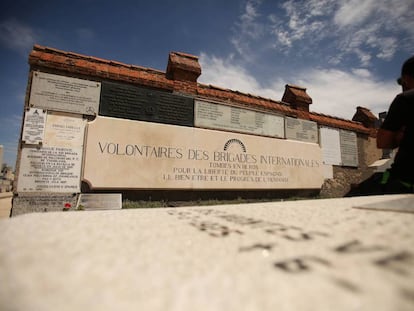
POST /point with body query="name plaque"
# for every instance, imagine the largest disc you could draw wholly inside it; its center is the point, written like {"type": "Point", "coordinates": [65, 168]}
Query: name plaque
{"type": "Point", "coordinates": [302, 130]}
{"type": "Point", "coordinates": [135, 103]}
{"type": "Point", "coordinates": [50, 169]}
{"type": "Point", "coordinates": [61, 93]}
{"type": "Point", "coordinates": [349, 148]}
{"type": "Point", "coordinates": [99, 201]}
{"type": "Point", "coordinates": [143, 155]}
{"type": "Point", "coordinates": [34, 126]}
{"type": "Point", "coordinates": [330, 144]}
{"type": "Point", "coordinates": [64, 130]}
{"type": "Point", "coordinates": [216, 116]}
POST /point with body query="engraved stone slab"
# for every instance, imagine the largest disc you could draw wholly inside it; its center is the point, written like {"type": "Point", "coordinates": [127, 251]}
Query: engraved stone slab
{"type": "Point", "coordinates": [143, 155]}
{"type": "Point", "coordinates": [99, 201]}
{"type": "Point", "coordinates": [303, 130]}
{"type": "Point", "coordinates": [330, 144]}
{"type": "Point", "coordinates": [64, 130]}
{"type": "Point", "coordinates": [349, 148]}
{"type": "Point", "coordinates": [61, 93]}
{"type": "Point", "coordinates": [34, 126]}
{"type": "Point", "coordinates": [50, 169]}
{"type": "Point", "coordinates": [27, 202]}
{"type": "Point", "coordinates": [292, 256]}
{"type": "Point", "coordinates": [135, 103]}
{"type": "Point", "coordinates": [216, 116]}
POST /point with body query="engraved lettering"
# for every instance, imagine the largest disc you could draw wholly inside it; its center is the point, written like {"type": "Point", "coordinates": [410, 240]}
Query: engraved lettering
{"type": "Point", "coordinates": [300, 264]}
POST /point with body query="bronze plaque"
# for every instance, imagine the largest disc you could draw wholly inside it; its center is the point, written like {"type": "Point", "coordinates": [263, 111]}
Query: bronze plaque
{"type": "Point", "coordinates": [135, 103]}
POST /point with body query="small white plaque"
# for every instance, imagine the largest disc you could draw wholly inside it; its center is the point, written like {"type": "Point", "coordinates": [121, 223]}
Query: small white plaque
{"type": "Point", "coordinates": [216, 116]}
{"type": "Point", "coordinates": [34, 126]}
{"type": "Point", "coordinates": [66, 94]}
{"type": "Point", "coordinates": [100, 201]}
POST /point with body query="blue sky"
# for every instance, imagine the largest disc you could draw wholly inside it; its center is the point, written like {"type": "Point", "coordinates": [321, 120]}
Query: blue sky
{"type": "Point", "coordinates": [346, 53]}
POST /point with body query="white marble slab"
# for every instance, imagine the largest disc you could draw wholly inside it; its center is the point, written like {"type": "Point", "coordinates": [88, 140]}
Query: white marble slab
{"type": "Point", "coordinates": [298, 255]}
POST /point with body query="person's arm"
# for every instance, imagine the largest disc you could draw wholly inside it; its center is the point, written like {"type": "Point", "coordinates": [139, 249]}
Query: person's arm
{"type": "Point", "coordinates": [391, 133]}
{"type": "Point", "coordinates": [388, 139]}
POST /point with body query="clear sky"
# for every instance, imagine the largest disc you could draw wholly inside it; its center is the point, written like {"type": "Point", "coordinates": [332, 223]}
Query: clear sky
{"type": "Point", "coordinates": [347, 53]}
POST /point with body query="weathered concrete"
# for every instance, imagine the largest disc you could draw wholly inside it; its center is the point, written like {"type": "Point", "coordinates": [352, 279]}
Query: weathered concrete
{"type": "Point", "coordinates": [299, 255]}
{"type": "Point", "coordinates": [5, 204]}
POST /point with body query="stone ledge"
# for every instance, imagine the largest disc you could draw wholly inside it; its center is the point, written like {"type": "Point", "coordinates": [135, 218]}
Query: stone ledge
{"type": "Point", "coordinates": [288, 255]}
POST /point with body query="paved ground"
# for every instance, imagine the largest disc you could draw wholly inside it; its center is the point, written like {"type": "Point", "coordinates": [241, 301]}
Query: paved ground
{"type": "Point", "coordinates": [300, 255]}
{"type": "Point", "coordinates": [5, 204]}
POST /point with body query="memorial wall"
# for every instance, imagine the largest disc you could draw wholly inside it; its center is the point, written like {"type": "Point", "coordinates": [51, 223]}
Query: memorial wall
{"type": "Point", "coordinates": [117, 136]}
{"type": "Point", "coordinates": [140, 138]}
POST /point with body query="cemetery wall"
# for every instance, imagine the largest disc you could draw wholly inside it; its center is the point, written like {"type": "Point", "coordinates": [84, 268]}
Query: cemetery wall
{"type": "Point", "coordinates": [94, 125]}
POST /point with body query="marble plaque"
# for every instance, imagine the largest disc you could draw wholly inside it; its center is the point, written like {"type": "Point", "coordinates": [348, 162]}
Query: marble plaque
{"type": "Point", "coordinates": [64, 130]}
{"type": "Point", "coordinates": [330, 144]}
{"type": "Point", "coordinates": [303, 130]}
{"type": "Point", "coordinates": [223, 117]}
{"type": "Point", "coordinates": [34, 126]}
{"type": "Point", "coordinates": [349, 148]}
{"type": "Point", "coordinates": [123, 154]}
{"type": "Point", "coordinates": [135, 103]}
{"type": "Point", "coordinates": [99, 201]}
{"type": "Point", "coordinates": [61, 93]}
{"type": "Point", "coordinates": [50, 169]}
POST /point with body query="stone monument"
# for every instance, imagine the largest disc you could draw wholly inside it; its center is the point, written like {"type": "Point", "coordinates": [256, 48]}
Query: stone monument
{"type": "Point", "coordinates": [98, 126]}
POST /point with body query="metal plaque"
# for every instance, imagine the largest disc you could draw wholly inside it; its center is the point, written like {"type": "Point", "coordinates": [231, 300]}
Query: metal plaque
{"type": "Point", "coordinates": [135, 103]}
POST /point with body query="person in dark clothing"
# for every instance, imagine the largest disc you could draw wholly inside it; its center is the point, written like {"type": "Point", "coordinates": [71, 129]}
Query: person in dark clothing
{"type": "Point", "coordinates": [397, 131]}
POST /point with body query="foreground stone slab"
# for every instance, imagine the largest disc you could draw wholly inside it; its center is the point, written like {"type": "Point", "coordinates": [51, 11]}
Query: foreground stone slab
{"type": "Point", "coordinates": [299, 255]}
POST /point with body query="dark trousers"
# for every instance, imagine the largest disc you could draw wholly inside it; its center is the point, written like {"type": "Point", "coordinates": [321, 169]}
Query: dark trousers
{"type": "Point", "coordinates": [376, 185]}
